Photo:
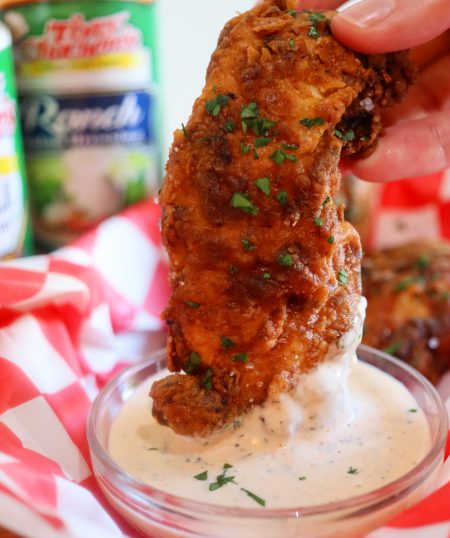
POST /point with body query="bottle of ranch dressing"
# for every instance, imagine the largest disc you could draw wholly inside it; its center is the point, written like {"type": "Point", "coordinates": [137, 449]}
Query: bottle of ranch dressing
{"type": "Point", "coordinates": [86, 77]}
{"type": "Point", "coordinates": [14, 229]}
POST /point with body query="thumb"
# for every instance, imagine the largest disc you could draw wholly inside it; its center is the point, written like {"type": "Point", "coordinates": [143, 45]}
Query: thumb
{"type": "Point", "coordinates": [378, 26]}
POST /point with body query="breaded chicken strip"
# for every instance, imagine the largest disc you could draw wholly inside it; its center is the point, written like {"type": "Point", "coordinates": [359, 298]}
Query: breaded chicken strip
{"type": "Point", "coordinates": [408, 315]}
{"type": "Point", "coordinates": [264, 270]}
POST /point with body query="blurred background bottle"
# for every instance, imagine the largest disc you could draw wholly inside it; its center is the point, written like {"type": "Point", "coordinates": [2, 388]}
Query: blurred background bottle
{"type": "Point", "coordinates": [15, 237]}
{"type": "Point", "coordinates": [87, 75]}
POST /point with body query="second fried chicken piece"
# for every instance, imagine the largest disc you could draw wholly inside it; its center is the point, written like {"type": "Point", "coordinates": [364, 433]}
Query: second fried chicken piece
{"type": "Point", "coordinates": [408, 313]}
{"type": "Point", "coordinates": [264, 270]}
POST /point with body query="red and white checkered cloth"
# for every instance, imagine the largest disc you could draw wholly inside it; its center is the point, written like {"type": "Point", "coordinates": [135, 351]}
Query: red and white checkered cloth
{"type": "Point", "coordinates": [411, 209]}
{"type": "Point", "coordinates": [71, 320]}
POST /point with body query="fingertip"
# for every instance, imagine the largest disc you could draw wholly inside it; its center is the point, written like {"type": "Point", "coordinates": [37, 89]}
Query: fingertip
{"type": "Point", "coordinates": [354, 37]}
{"type": "Point", "coordinates": [411, 149]}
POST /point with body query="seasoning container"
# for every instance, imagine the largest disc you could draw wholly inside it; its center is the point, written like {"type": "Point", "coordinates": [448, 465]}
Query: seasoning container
{"type": "Point", "coordinates": [15, 238]}
{"type": "Point", "coordinates": [86, 77]}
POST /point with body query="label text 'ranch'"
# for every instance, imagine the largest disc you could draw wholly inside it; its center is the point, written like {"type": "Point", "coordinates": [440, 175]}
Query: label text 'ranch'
{"type": "Point", "coordinates": [46, 115]}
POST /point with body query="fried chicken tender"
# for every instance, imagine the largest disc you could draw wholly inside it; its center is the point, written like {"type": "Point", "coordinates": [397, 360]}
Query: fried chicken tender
{"type": "Point", "coordinates": [265, 271]}
{"type": "Point", "coordinates": [408, 315]}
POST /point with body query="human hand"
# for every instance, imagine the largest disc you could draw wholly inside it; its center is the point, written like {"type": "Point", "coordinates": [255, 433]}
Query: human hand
{"type": "Point", "coordinates": [417, 134]}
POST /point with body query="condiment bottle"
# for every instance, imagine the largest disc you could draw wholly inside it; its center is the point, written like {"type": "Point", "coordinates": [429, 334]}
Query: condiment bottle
{"type": "Point", "coordinates": [15, 237]}
{"type": "Point", "coordinates": [86, 77]}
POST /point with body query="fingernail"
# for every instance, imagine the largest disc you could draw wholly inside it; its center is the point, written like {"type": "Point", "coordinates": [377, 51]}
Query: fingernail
{"type": "Point", "coordinates": [366, 13]}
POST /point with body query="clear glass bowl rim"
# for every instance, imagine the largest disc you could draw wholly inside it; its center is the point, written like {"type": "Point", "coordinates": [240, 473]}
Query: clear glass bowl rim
{"type": "Point", "coordinates": [146, 494]}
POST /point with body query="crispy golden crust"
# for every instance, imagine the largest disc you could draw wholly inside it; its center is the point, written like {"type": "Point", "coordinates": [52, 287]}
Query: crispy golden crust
{"type": "Point", "coordinates": [359, 198]}
{"type": "Point", "coordinates": [408, 315]}
{"type": "Point", "coordinates": [265, 275]}
{"type": "Point", "coordinates": [8, 534]}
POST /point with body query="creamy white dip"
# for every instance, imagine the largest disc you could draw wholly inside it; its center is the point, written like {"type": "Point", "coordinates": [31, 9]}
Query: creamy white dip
{"type": "Point", "coordinates": [348, 429]}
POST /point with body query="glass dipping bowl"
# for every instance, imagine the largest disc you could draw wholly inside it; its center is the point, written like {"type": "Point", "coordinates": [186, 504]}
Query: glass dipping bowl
{"type": "Point", "coordinates": [161, 515]}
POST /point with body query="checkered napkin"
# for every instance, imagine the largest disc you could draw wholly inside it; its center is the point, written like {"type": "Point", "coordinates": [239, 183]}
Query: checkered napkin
{"type": "Point", "coordinates": [68, 322]}
{"type": "Point", "coordinates": [411, 209]}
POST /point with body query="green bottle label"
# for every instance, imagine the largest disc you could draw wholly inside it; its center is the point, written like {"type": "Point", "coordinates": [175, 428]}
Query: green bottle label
{"type": "Point", "coordinates": [14, 230]}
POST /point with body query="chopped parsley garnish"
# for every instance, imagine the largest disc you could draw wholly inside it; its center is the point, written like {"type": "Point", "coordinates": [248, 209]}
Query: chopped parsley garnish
{"type": "Point", "coordinates": [214, 88]}
{"type": "Point", "coordinates": [241, 357]}
{"type": "Point", "coordinates": [445, 296]}
{"type": "Point", "coordinates": [264, 141]}
{"type": "Point", "coordinates": [314, 32]}
{"type": "Point", "coordinates": [186, 134]}
{"type": "Point", "coordinates": [345, 137]}
{"type": "Point", "coordinates": [207, 380]}
{"type": "Point", "coordinates": [315, 16]}
{"type": "Point", "coordinates": [192, 363]}
{"type": "Point", "coordinates": [292, 13]}
{"type": "Point", "coordinates": [331, 239]}
{"type": "Point", "coordinates": [343, 277]}
{"type": "Point", "coordinates": [392, 349]}
{"type": "Point", "coordinates": [227, 343]}
{"type": "Point", "coordinates": [326, 201]}
{"type": "Point", "coordinates": [412, 410]}
{"type": "Point", "coordinates": [279, 156]}
{"type": "Point", "coordinates": [292, 147]}
{"type": "Point", "coordinates": [311, 122]}
{"type": "Point", "coordinates": [282, 197]}
{"type": "Point", "coordinates": [285, 260]}
{"type": "Point", "coordinates": [404, 284]}
{"type": "Point", "coordinates": [233, 269]}
{"type": "Point", "coordinates": [222, 479]}
{"type": "Point", "coordinates": [193, 305]}
{"type": "Point", "coordinates": [257, 499]}
{"type": "Point", "coordinates": [302, 478]}
{"type": "Point", "coordinates": [255, 154]}
{"type": "Point", "coordinates": [250, 111]}
{"type": "Point", "coordinates": [261, 126]}
{"type": "Point", "coordinates": [266, 276]}
{"type": "Point", "coordinates": [213, 106]}
{"type": "Point", "coordinates": [242, 202]}
{"type": "Point", "coordinates": [263, 184]}
{"type": "Point", "coordinates": [248, 245]}
{"type": "Point", "coordinates": [245, 148]}
{"type": "Point", "coordinates": [352, 470]}
{"type": "Point", "coordinates": [292, 158]}
{"type": "Point", "coordinates": [229, 126]}
{"type": "Point", "coordinates": [423, 262]}
{"type": "Point", "coordinates": [292, 43]}
{"type": "Point", "coordinates": [318, 222]}
{"type": "Point", "coordinates": [251, 120]}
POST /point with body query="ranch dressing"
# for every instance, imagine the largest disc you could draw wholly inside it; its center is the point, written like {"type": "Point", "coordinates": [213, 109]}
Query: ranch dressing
{"type": "Point", "coordinates": [347, 429]}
